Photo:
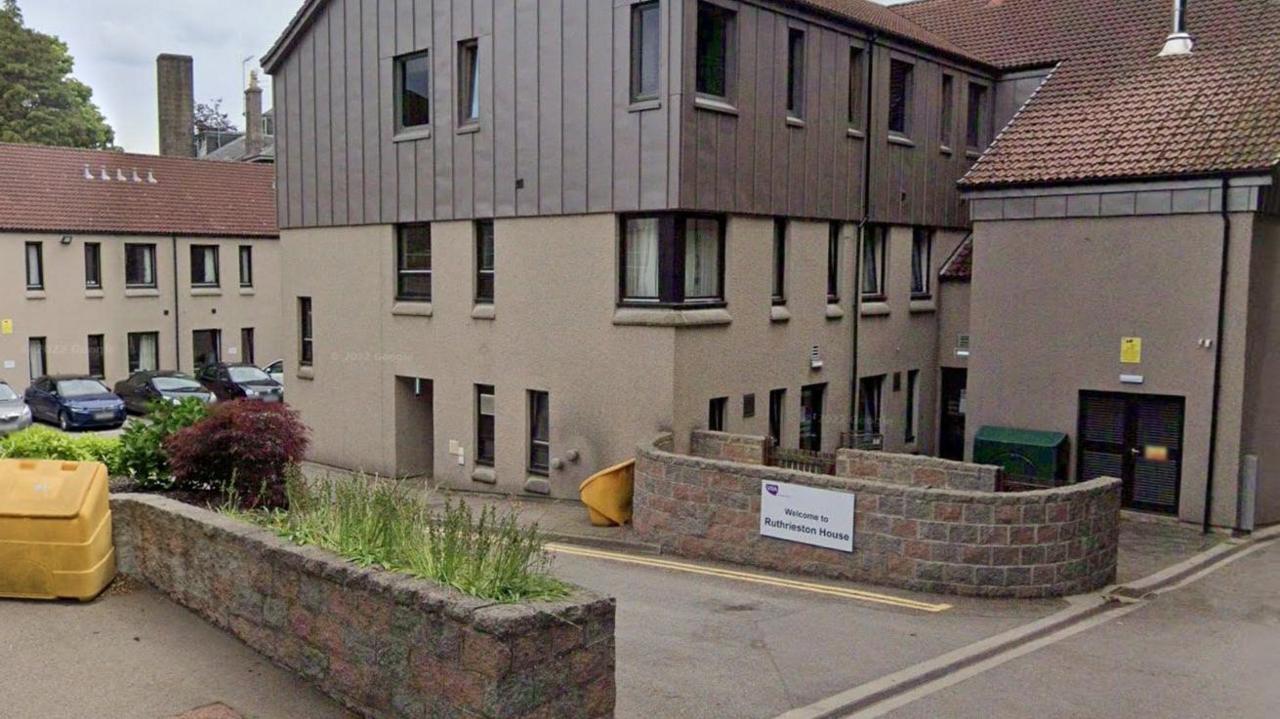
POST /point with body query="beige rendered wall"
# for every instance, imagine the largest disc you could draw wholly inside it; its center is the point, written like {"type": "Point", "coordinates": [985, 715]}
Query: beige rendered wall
{"type": "Point", "coordinates": [1262, 395]}
{"type": "Point", "coordinates": [1051, 300]}
{"type": "Point", "coordinates": [66, 313]}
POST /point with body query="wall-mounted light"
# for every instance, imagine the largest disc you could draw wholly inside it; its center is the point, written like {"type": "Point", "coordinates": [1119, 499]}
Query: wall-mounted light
{"type": "Point", "coordinates": [66, 240]}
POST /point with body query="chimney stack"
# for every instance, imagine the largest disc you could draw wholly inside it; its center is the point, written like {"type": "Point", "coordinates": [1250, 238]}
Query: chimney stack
{"type": "Point", "coordinates": [253, 142]}
{"type": "Point", "coordinates": [175, 91]}
{"type": "Point", "coordinates": [1179, 41]}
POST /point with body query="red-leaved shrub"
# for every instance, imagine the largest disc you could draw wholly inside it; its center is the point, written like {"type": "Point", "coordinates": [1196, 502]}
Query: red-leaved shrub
{"type": "Point", "coordinates": [244, 447]}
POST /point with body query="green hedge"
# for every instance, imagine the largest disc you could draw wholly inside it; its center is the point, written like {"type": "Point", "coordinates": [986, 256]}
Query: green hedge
{"type": "Point", "coordinates": [44, 443]}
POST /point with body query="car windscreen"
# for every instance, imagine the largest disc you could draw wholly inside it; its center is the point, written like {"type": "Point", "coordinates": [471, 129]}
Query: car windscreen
{"type": "Point", "coordinates": [247, 374]}
{"type": "Point", "coordinates": [72, 388]}
{"type": "Point", "coordinates": [7, 394]}
{"type": "Point", "coordinates": [176, 384]}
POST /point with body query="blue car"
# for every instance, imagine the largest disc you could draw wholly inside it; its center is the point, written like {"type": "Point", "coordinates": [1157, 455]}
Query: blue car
{"type": "Point", "coordinates": [75, 402]}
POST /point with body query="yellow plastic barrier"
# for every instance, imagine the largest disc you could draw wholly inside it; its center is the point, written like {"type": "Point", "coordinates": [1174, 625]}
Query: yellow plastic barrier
{"type": "Point", "coordinates": [55, 530]}
{"type": "Point", "coordinates": [607, 494]}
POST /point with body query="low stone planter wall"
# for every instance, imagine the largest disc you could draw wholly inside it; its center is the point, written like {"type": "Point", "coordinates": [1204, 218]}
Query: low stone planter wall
{"type": "Point", "coordinates": [1045, 543]}
{"type": "Point", "coordinates": [917, 471]}
{"type": "Point", "coordinates": [383, 644]}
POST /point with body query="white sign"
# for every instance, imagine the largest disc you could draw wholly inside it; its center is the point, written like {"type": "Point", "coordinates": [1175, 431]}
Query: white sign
{"type": "Point", "coordinates": [807, 515]}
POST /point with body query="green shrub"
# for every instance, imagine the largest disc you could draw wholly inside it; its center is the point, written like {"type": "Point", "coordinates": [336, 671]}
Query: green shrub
{"type": "Point", "coordinates": [142, 454]}
{"type": "Point", "coordinates": [44, 443]}
{"type": "Point", "coordinates": [390, 525]}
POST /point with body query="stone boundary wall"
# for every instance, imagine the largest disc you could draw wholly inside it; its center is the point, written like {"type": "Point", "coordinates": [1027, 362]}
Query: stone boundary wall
{"type": "Point", "coordinates": [729, 447]}
{"type": "Point", "coordinates": [1045, 543]}
{"type": "Point", "coordinates": [917, 471]}
{"type": "Point", "coordinates": [383, 644]}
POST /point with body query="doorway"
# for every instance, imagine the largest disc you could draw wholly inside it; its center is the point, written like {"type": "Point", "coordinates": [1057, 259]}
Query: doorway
{"type": "Point", "coordinates": [955, 382]}
{"type": "Point", "coordinates": [1137, 438]}
{"type": "Point", "coordinates": [812, 399]}
{"type": "Point", "coordinates": [415, 428]}
{"type": "Point", "coordinates": [206, 347]}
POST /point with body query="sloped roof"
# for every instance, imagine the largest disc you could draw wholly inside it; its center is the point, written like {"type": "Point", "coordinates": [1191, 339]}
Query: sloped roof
{"type": "Point", "coordinates": [58, 189]}
{"type": "Point", "coordinates": [1113, 109]}
{"type": "Point", "coordinates": [959, 266]}
{"type": "Point", "coordinates": [234, 151]}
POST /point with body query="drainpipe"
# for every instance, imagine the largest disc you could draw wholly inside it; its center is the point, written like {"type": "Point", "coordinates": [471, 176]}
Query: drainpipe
{"type": "Point", "coordinates": [177, 324]}
{"type": "Point", "coordinates": [862, 228]}
{"type": "Point", "coordinates": [1224, 274]}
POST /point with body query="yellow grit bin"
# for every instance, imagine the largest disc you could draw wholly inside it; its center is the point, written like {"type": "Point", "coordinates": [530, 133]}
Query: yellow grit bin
{"type": "Point", "coordinates": [55, 530]}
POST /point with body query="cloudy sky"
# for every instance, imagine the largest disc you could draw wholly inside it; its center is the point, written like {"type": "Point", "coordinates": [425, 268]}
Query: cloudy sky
{"type": "Point", "coordinates": [115, 43]}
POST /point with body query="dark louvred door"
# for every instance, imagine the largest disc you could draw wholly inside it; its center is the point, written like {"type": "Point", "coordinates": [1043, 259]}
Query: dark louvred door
{"type": "Point", "coordinates": [1137, 438]}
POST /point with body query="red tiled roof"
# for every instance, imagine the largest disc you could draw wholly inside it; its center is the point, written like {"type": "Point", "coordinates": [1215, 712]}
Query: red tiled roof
{"type": "Point", "coordinates": [959, 266]}
{"type": "Point", "coordinates": [45, 189]}
{"type": "Point", "coordinates": [1113, 109]}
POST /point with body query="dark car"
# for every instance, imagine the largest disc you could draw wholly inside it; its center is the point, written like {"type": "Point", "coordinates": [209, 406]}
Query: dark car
{"type": "Point", "coordinates": [74, 402]}
{"type": "Point", "coordinates": [143, 388]}
{"type": "Point", "coordinates": [240, 381]}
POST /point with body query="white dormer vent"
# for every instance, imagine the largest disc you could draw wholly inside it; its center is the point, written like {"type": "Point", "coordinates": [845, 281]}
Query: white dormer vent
{"type": "Point", "coordinates": [105, 176]}
{"type": "Point", "coordinates": [151, 178]}
{"type": "Point", "coordinates": [88, 174]}
{"type": "Point", "coordinates": [1179, 41]}
{"type": "Point", "coordinates": [120, 176]}
{"type": "Point", "coordinates": [136, 178]}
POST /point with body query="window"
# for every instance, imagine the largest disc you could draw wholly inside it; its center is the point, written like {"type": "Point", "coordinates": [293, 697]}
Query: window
{"type": "Point", "coordinates": [748, 406]}
{"type": "Point", "coordinates": [672, 259]}
{"type": "Point", "coordinates": [306, 336]}
{"type": "Point", "coordinates": [468, 82]}
{"type": "Point", "coordinates": [97, 356]}
{"type": "Point", "coordinates": [833, 263]}
{"type": "Point", "coordinates": [92, 266]}
{"type": "Point", "coordinates": [913, 406]}
{"type": "Point", "coordinates": [777, 408]}
{"type": "Point", "coordinates": [716, 412]}
{"type": "Point", "coordinates": [140, 265]}
{"type": "Point", "coordinates": [484, 425]}
{"type": "Point", "coordinates": [206, 348]}
{"type": "Point", "coordinates": [873, 261]}
{"type": "Point", "coordinates": [35, 265]}
{"type": "Point", "coordinates": [795, 73]}
{"type": "Point", "coordinates": [901, 87]}
{"type": "Point", "coordinates": [645, 42]}
{"type": "Point", "coordinates": [37, 357]}
{"type": "Point", "coordinates": [413, 76]}
{"type": "Point", "coordinates": [484, 262]}
{"type": "Point", "coordinates": [854, 105]}
{"type": "Point", "coordinates": [144, 351]}
{"type": "Point", "coordinates": [977, 124]}
{"type": "Point", "coordinates": [247, 351]}
{"type": "Point", "coordinates": [715, 49]}
{"type": "Point", "coordinates": [921, 257]}
{"type": "Point", "coordinates": [413, 263]}
{"type": "Point", "coordinates": [246, 266]}
{"type": "Point", "coordinates": [948, 103]}
{"type": "Point", "coordinates": [539, 432]}
{"type": "Point", "coordinates": [204, 266]}
{"type": "Point", "coordinates": [812, 399]}
{"type": "Point", "coordinates": [869, 397]}
{"type": "Point", "coordinates": [779, 262]}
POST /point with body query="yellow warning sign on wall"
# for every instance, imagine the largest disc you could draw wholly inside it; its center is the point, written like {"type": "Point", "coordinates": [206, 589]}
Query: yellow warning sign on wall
{"type": "Point", "coordinates": [6, 327]}
{"type": "Point", "coordinates": [1131, 350]}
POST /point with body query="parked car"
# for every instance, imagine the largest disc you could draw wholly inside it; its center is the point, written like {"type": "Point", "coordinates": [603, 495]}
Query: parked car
{"type": "Point", "coordinates": [276, 371]}
{"type": "Point", "coordinates": [75, 402]}
{"type": "Point", "coordinates": [240, 381]}
{"type": "Point", "coordinates": [143, 388]}
{"type": "Point", "coordinates": [15, 415]}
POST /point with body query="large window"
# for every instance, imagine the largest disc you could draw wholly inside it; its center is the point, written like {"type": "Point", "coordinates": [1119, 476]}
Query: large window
{"type": "Point", "coordinates": [873, 262]}
{"type": "Point", "coordinates": [144, 351]}
{"type": "Point", "coordinates": [469, 82]}
{"type": "Point", "coordinates": [921, 258]}
{"type": "Point", "coordinates": [306, 333]}
{"type": "Point", "coordinates": [204, 266]}
{"type": "Point", "coordinates": [97, 356]}
{"type": "Point", "coordinates": [779, 261]}
{"type": "Point", "coordinates": [539, 432]}
{"type": "Point", "coordinates": [717, 412]}
{"type": "Point", "coordinates": [672, 259]}
{"type": "Point", "coordinates": [977, 121]}
{"type": "Point", "coordinates": [646, 23]}
{"type": "Point", "coordinates": [715, 50]}
{"type": "Point", "coordinates": [795, 73]}
{"type": "Point", "coordinates": [870, 391]}
{"type": "Point", "coordinates": [37, 357]}
{"type": "Point", "coordinates": [913, 407]}
{"type": "Point", "coordinates": [140, 266]}
{"type": "Point", "coordinates": [413, 263]}
{"type": "Point", "coordinates": [833, 263]}
{"type": "Point", "coordinates": [901, 88]}
{"type": "Point", "coordinates": [413, 80]}
{"type": "Point", "coordinates": [92, 266]}
{"type": "Point", "coordinates": [35, 265]}
{"type": "Point", "coordinates": [854, 104]}
{"type": "Point", "coordinates": [246, 265]}
{"type": "Point", "coordinates": [484, 262]}
{"type": "Point", "coordinates": [948, 115]}
{"type": "Point", "coordinates": [812, 400]}
{"type": "Point", "coordinates": [484, 425]}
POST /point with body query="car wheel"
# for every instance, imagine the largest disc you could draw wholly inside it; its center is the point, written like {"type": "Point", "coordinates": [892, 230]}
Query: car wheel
{"type": "Point", "coordinates": [64, 421]}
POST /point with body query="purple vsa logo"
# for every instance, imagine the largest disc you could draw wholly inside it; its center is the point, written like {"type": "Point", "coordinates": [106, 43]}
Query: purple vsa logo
{"type": "Point", "coordinates": [771, 489]}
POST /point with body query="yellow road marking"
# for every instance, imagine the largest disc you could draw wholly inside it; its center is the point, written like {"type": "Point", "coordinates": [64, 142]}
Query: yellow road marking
{"type": "Point", "coordinates": [843, 592]}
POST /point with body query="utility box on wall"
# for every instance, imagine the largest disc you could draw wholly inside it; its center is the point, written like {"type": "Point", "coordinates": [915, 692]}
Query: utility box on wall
{"type": "Point", "coordinates": [1030, 458]}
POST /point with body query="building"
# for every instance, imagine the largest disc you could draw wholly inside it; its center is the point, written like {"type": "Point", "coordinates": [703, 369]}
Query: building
{"type": "Point", "coordinates": [1127, 244]}
{"type": "Point", "coordinates": [181, 137]}
{"type": "Point", "coordinates": [116, 262]}
{"type": "Point", "coordinates": [524, 237]}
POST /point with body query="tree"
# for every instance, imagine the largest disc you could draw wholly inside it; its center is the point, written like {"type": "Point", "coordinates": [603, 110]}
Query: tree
{"type": "Point", "coordinates": [40, 102]}
{"type": "Point", "coordinates": [209, 117]}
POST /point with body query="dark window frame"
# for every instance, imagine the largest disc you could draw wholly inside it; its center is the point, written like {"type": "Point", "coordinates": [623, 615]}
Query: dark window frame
{"type": "Point", "coordinates": [93, 265]}
{"type": "Point", "coordinates": [486, 432]}
{"type": "Point", "coordinates": [403, 273]}
{"type": "Point", "coordinates": [857, 82]}
{"type": "Point", "coordinates": [43, 344]}
{"type": "Point", "coordinates": [36, 283]}
{"type": "Point", "coordinates": [796, 48]}
{"type": "Point", "coordinates": [834, 233]}
{"type": "Point", "coordinates": [918, 235]}
{"type": "Point", "coordinates": [96, 348]}
{"type": "Point", "coordinates": [704, 85]}
{"type": "Point", "coordinates": [539, 406]}
{"type": "Point", "coordinates": [876, 240]}
{"type": "Point", "coordinates": [133, 342]}
{"type": "Point", "coordinates": [671, 260]}
{"type": "Point", "coordinates": [246, 265]}
{"type": "Point", "coordinates": [946, 129]}
{"type": "Point", "coordinates": [306, 333]}
{"type": "Point", "coordinates": [645, 50]}
{"type": "Point", "coordinates": [812, 396]}
{"type": "Point", "coordinates": [248, 345]}
{"type": "Point", "coordinates": [868, 424]}
{"type": "Point", "coordinates": [401, 65]}
{"type": "Point", "coordinates": [717, 414]}
{"type": "Point", "coordinates": [901, 109]}
{"type": "Point", "coordinates": [777, 415]}
{"type": "Point", "coordinates": [911, 429]}
{"type": "Point", "coordinates": [486, 277]}
{"type": "Point", "coordinates": [148, 250]}
{"type": "Point", "coordinates": [781, 229]}
{"type": "Point", "coordinates": [198, 250]}
{"type": "Point", "coordinates": [977, 118]}
{"type": "Point", "coordinates": [468, 95]}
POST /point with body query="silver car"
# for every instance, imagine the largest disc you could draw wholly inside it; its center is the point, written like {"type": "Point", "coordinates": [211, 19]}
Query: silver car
{"type": "Point", "coordinates": [15, 415]}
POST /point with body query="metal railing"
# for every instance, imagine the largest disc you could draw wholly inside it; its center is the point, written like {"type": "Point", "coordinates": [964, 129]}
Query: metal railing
{"type": "Point", "coordinates": [803, 460]}
{"type": "Point", "coordinates": [862, 440]}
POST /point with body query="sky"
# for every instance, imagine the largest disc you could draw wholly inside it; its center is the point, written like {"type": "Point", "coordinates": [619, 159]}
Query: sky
{"type": "Point", "coordinates": [115, 44]}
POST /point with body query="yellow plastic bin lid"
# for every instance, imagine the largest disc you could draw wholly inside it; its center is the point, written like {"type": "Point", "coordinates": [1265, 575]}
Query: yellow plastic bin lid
{"type": "Point", "coordinates": [45, 490]}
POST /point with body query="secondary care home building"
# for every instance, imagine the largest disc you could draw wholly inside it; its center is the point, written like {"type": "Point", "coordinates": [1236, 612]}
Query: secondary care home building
{"type": "Point", "coordinates": [1126, 252]}
{"type": "Point", "coordinates": [523, 236]}
{"type": "Point", "coordinates": [113, 262]}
